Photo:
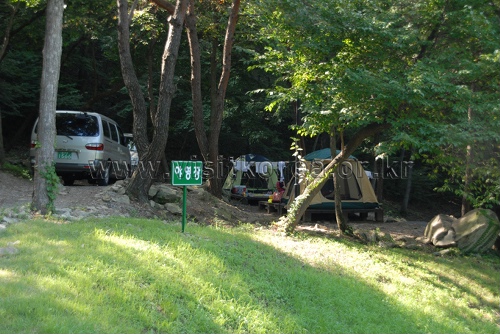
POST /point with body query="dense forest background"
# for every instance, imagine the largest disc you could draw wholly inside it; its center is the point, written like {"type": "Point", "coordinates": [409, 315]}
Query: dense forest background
{"type": "Point", "coordinates": [299, 69]}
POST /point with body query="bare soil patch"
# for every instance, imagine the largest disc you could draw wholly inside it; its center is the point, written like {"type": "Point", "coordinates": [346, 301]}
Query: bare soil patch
{"type": "Point", "coordinates": [16, 191]}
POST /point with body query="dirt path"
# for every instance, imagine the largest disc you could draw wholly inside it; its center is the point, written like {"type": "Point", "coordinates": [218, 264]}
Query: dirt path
{"type": "Point", "coordinates": [16, 191]}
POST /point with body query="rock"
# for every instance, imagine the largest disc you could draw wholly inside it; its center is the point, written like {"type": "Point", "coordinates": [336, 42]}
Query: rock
{"type": "Point", "coordinates": [367, 236]}
{"type": "Point", "coordinates": [202, 194]}
{"type": "Point", "coordinates": [166, 194]}
{"type": "Point", "coordinates": [387, 244]}
{"type": "Point", "coordinates": [62, 211]}
{"type": "Point", "coordinates": [9, 220]}
{"type": "Point", "coordinates": [477, 230]}
{"type": "Point", "coordinates": [438, 232]}
{"type": "Point", "coordinates": [121, 199]}
{"type": "Point", "coordinates": [442, 252]}
{"type": "Point", "coordinates": [106, 197]}
{"type": "Point", "coordinates": [153, 190]}
{"type": "Point", "coordinates": [121, 191]}
{"type": "Point", "coordinates": [10, 249]}
{"type": "Point", "coordinates": [173, 208]}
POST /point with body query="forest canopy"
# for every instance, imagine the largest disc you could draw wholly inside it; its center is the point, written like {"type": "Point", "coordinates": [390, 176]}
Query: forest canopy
{"type": "Point", "coordinates": [299, 69]}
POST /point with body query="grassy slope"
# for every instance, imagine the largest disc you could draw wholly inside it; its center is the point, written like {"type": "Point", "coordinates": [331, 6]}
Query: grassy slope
{"type": "Point", "coordinates": [144, 276]}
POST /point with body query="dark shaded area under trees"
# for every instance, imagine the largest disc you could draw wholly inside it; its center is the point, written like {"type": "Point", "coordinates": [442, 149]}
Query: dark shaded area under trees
{"type": "Point", "coordinates": [91, 79]}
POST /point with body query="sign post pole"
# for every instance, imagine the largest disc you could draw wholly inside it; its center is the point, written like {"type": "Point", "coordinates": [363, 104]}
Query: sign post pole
{"type": "Point", "coordinates": [186, 173]}
{"type": "Point", "coordinates": [184, 196]}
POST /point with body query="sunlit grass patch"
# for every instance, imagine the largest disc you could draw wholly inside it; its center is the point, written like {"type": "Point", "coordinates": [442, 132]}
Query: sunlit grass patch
{"type": "Point", "coordinates": [131, 275]}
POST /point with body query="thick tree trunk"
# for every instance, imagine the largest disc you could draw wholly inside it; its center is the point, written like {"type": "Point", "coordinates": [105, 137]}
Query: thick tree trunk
{"type": "Point", "coordinates": [301, 203]}
{"type": "Point", "coordinates": [209, 144]}
{"type": "Point", "coordinates": [130, 79]}
{"type": "Point", "coordinates": [218, 105]}
{"type": "Point", "coordinates": [141, 182]}
{"type": "Point", "coordinates": [8, 29]}
{"type": "Point", "coordinates": [198, 116]}
{"type": "Point", "coordinates": [52, 50]}
{"type": "Point", "coordinates": [339, 216]}
{"type": "Point", "coordinates": [139, 186]}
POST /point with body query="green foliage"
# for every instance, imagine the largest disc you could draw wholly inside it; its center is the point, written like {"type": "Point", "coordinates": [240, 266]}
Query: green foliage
{"type": "Point", "coordinates": [19, 82]}
{"type": "Point", "coordinates": [16, 170]}
{"type": "Point", "coordinates": [420, 67]}
{"type": "Point", "coordinates": [52, 182]}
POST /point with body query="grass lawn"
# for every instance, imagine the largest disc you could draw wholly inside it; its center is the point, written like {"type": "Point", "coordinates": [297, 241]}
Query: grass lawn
{"type": "Point", "coordinates": [124, 275]}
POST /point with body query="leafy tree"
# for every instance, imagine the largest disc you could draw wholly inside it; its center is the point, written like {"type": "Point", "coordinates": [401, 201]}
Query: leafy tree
{"type": "Point", "coordinates": [16, 19]}
{"type": "Point", "coordinates": [208, 138]}
{"type": "Point", "coordinates": [366, 65]}
{"type": "Point", "coordinates": [149, 151]}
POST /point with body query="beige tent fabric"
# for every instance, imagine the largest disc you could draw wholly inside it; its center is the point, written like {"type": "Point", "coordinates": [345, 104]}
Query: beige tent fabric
{"type": "Point", "coordinates": [355, 187]}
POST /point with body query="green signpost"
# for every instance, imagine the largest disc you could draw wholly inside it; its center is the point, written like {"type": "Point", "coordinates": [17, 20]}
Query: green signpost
{"type": "Point", "coordinates": [186, 173]}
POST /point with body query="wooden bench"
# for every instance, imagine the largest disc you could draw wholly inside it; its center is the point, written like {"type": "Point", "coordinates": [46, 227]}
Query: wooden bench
{"type": "Point", "coordinates": [272, 207]}
{"type": "Point", "coordinates": [379, 213]}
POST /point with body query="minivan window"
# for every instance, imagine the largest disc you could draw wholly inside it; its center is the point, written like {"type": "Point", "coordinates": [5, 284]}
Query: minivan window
{"type": "Point", "coordinates": [121, 135]}
{"type": "Point", "coordinates": [105, 128]}
{"type": "Point", "coordinates": [79, 125]}
{"type": "Point", "coordinates": [114, 134]}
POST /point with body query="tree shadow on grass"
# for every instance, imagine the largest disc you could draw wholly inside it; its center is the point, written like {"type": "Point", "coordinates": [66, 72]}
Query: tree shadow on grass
{"type": "Point", "coordinates": [145, 276]}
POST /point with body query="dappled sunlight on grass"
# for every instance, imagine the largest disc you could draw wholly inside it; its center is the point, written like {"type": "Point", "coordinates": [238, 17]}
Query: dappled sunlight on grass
{"type": "Point", "coordinates": [430, 287]}
{"type": "Point", "coordinates": [6, 275]}
{"type": "Point", "coordinates": [133, 275]}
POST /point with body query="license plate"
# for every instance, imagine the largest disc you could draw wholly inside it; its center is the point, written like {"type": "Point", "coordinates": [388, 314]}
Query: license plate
{"type": "Point", "coordinates": [64, 155]}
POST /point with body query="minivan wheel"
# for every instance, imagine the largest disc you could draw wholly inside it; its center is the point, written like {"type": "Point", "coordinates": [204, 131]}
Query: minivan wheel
{"type": "Point", "coordinates": [68, 181]}
{"type": "Point", "coordinates": [105, 177]}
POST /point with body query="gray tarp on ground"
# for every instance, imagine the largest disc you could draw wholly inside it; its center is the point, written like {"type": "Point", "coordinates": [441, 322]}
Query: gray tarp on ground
{"type": "Point", "coordinates": [475, 232]}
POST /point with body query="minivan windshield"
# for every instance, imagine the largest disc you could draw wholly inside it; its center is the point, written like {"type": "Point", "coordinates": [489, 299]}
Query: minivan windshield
{"type": "Point", "coordinates": [80, 125]}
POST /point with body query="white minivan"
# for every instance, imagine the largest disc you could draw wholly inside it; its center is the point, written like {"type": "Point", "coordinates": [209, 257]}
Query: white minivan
{"type": "Point", "coordinates": [88, 146]}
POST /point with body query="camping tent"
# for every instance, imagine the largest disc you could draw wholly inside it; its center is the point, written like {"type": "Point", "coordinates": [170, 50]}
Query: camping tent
{"type": "Point", "coordinates": [356, 191]}
{"type": "Point", "coordinates": [252, 177]}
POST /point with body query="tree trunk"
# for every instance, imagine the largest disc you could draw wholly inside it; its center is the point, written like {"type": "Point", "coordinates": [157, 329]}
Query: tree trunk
{"type": "Point", "coordinates": [44, 187]}
{"type": "Point", "coordinates": [406, 198]}
{"type": "Point", "coordinates": [8, 29]}
{"type": "Point", "coordinates": [339, 216]}
{"type": "Point", "coordinates": [469, 157]}
{"type": "Point", "coordinates": [141, 182]}
{"type": "Point", "coordinates": [301, 203]}
{"type": "Point", "coordinates": [209, 144]}
{"type": "Point", "coordinates": [139, 186]}
{"type": "Point", "coordinates": [217, 111]}
{"type": "Point", "coordinates": [198, 116]}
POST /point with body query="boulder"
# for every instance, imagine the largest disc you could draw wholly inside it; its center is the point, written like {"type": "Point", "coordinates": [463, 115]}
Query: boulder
{"type": "Point", "coordinates": [439, 232]}
{"type": "Point", "coordinates": [173, 208]}
{"type": "Point", "coordinates": [475, 232]}
{"type": "Point", "coordinates": [166, 194]}
{"type": "Point", "coordinates": [121, 199]}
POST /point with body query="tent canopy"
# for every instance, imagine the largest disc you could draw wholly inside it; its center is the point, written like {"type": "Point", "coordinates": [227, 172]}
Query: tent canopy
{"type": "Point", "coordinates": [323, 154]}
{"type": "Point", "coordinates": [355, 188]}
{"type": "Point", "coordinates": [253, 176]}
